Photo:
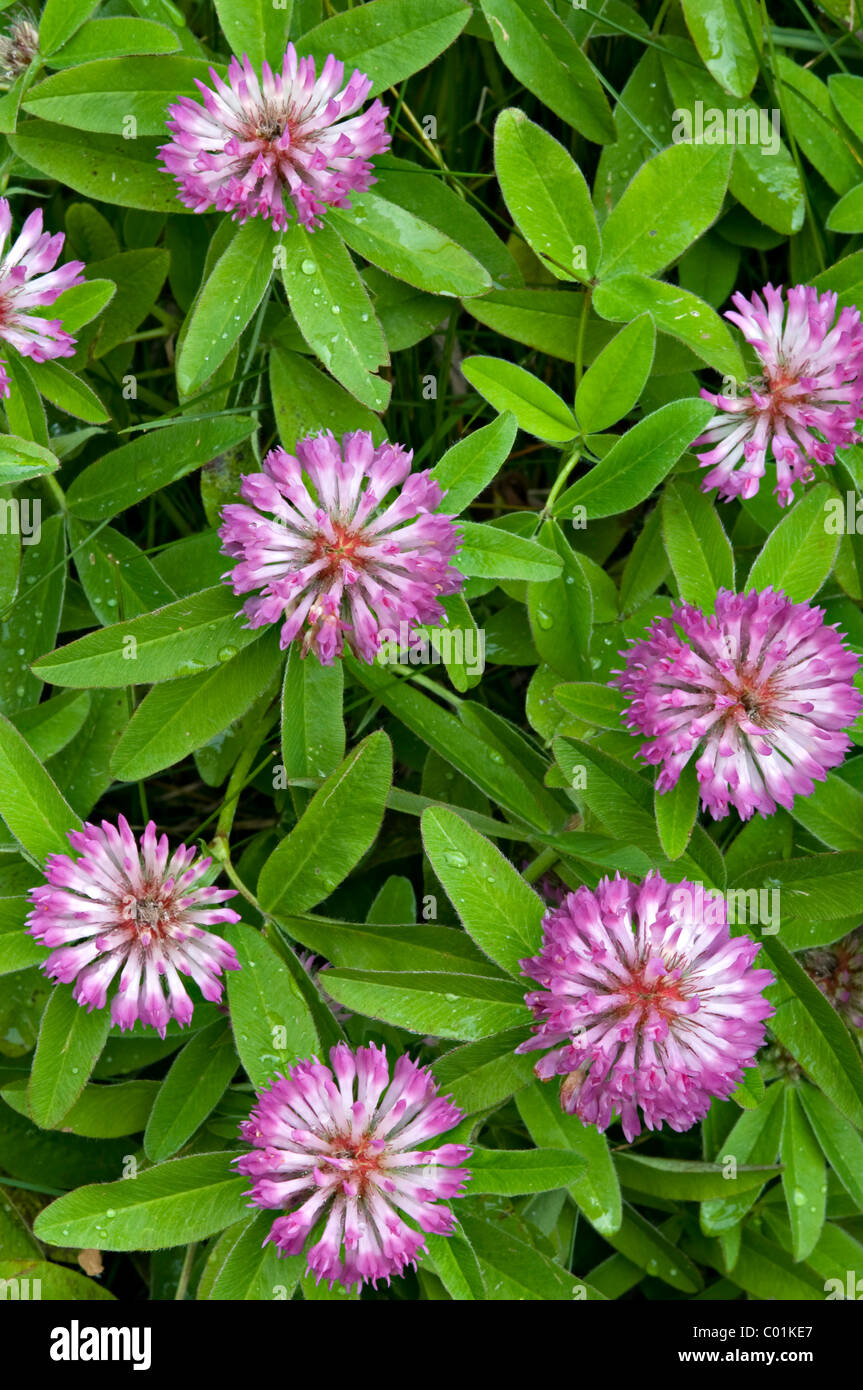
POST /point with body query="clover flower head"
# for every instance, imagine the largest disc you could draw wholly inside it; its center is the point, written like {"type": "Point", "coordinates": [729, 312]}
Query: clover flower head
{"type": "Point", "coordinates": [289, 140]}
{"type": "Point", "coordinates": [805, 404]}
{"type": "Point", "coordinates": [338, 1148]}
{"type": "Point", "coordinates": [646, 1003]}
{"type": "Point", "coordinates": [330, 555]}
{"type": "Point", "coordinates": [761, 693]}
{"type": "Point", "coordinates": [131, 907]}
{"type": "Point", "coordinates": [28, 283]}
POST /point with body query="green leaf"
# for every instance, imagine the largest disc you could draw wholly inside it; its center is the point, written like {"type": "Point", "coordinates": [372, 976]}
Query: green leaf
{"type": "Point", "coordinates": [489, 552]}
{"type": "Point", "coordinates": [623, 801]}
{"type": "Point", "coordinates": [596, 1191]}
{"type": "Point", "coordinates": [70, 1042]}
{"type": "Point", "coordinates": [675, 311]}
{"type": "Point", "coordinates": [105, 167]}
{"type": "Point", "coordinates": [395, 901]}
{"type": "Point", "coordinates": [847, 215]}
{"type": "Point", "coordinates": [125, 476]}
{"type": "Point", "coordinates": [541, 52]}
{"type": "Point", "coordinates": [49, 726]}
{"type": "Point", "coordinates": [700, 553]}
{"type": "Point", "coordinates": [174, 1203]}
{"type": "Point", "coordinates": [406, 183]}
{"type": "Point", "coordinates": [846, 93]}
{"type": "Point", "coordinates": [458, 746]}
{"type": "Point", "coordinates": [814, 1034]}
{"type": "Point", "coordinates": [612, 385]}
{"type": "Point", "coordinates": [469, 466]}
{"type": "Point", "coordinates": [456, 1265]}
{"type": "Point", "coordinates": [561, 610]}
{"type": "Point", "coordinates": [180, 639]}
{"type": "Point", "coordinates": [798, 555]}
{"type": "Point", "coordinates": [250, 1270]}
{"type": "Point", "coordinates": [21, 459]}
{"type": "Point", "coordinates": [766, 1272]}
{"type": "Point", "coordinates": [313, 729]}
{"type": "Point", "coordinates": [498, 909]}
{"type": "Point", "coordinates": [67, 392]}
{"type": "Point", "coordinates": [179, 716]}
{"type": "Point", "coordinates": [727, 34]}
{"type": "Point", "coordinates": [257, 28]}
{"type": "Point", "coordinates": [673, 199]}
{"type": "Point", "coordinates": [547, 196]}
{"type": "Point", "coordinates": [538, 409]}
{"type": "Point", "coordinates": [334, 313]}
{"type": "Point", "coordinates": [841, 1144]}
{"type": "Point", "coordinates": [676, 811]}
{"type": "Point", "coordinates": [480, 1075]}
{"type": "Point", "coordinates": [592, 703]}
{"type": "Point", "coordinates": [511, 1172]}
{"type": "Point", "coordinates": [833, 812]}
{"type": "Point", "coordinates": [649, 1248]}
{"type": "Point", "coordinates": [382, 946]}
{"type": "Point", "coordinates": [100, 1112]}
{"type": "Point", "coordinates": [60, 19]}
{"type": "Point", "coordinates": [116, 576]}
{"type": "Point", "coordinates": [30, 803]}
{"type": "Point", "coordinates": [54, 1281]}
{"type": "Point", "coordinates": [273, 1027]}
{"type": "Point", "coordinates": [25, 411]}
{"type": "Point", "coordinates": [18, 949]}
{"type": "Point", "coordinates": [814, 888]}
{"type": "Point", "coordinates": [638, 462]}
{"type": "Point", "coordinates": [405, 246]}
{"type": "Point", "coordinates": [104, 95]}
{"type": "Point", "coordinates": [466, 1007]}
{"type": "Point", "coordinates": [198, 1078]}
{"type": "Point", "coordinates": [807, 108]}
{"type": "Point", "coordinates": [339, 825]}
{"type": "Point", "coordinates": [764, 175]}
{"type": "Point", "coordinates": [804, 1179]}
{"type": "Point", "coordinates": [227, 300]}
{"type": "Point", "coordinates": [387, 39]}
{"type": "Point", "coordinates": [686, 1180]}
{"type": "Point", "coordinates": [114, 38]}
{"type": "Point", "coordinates": [33, 621]}
{"type": "Point", "coordinates": [80, 304]}
{"type": "Point", "coordinates": [515, 1271]}
{"type": "Point", "coordinates": [303, 397]}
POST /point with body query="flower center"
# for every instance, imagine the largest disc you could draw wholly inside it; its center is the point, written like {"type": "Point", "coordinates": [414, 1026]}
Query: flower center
{"type": "Point", "coordinates": [335, 552]}
{"type": "Point", "coordinates": [361, 1152]}
{"type": "Point", "coordinates": [644, 995]}
{"type": "Point", "coordinates": [269, 128]}
{"type": "Point", "coordinates": [148, 915]}
{"type": "Point", "coordinates": [753, 698]}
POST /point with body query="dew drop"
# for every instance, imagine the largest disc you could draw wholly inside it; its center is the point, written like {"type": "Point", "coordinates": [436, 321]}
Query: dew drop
{"type": "Point", "coordinates": [308, 267]}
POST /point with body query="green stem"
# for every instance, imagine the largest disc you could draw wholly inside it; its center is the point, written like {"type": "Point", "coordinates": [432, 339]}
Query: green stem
{"type": "Point", "coordinates": [541, 864]}
{"type": "Point", "coordinates": [238, 779]}
{"type": "Point", "coordinates": [185, 1273]}
{"type": "Point", "coordinates": [582, 331]}
{"type": "Point", "coordinates": [559, 482]}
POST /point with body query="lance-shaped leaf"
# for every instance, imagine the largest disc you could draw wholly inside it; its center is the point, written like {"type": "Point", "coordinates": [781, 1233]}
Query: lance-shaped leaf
{"type": "Point", "coordinates": [337, 828]}
{"type": "Point", "coordinates": [174, 1203]}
